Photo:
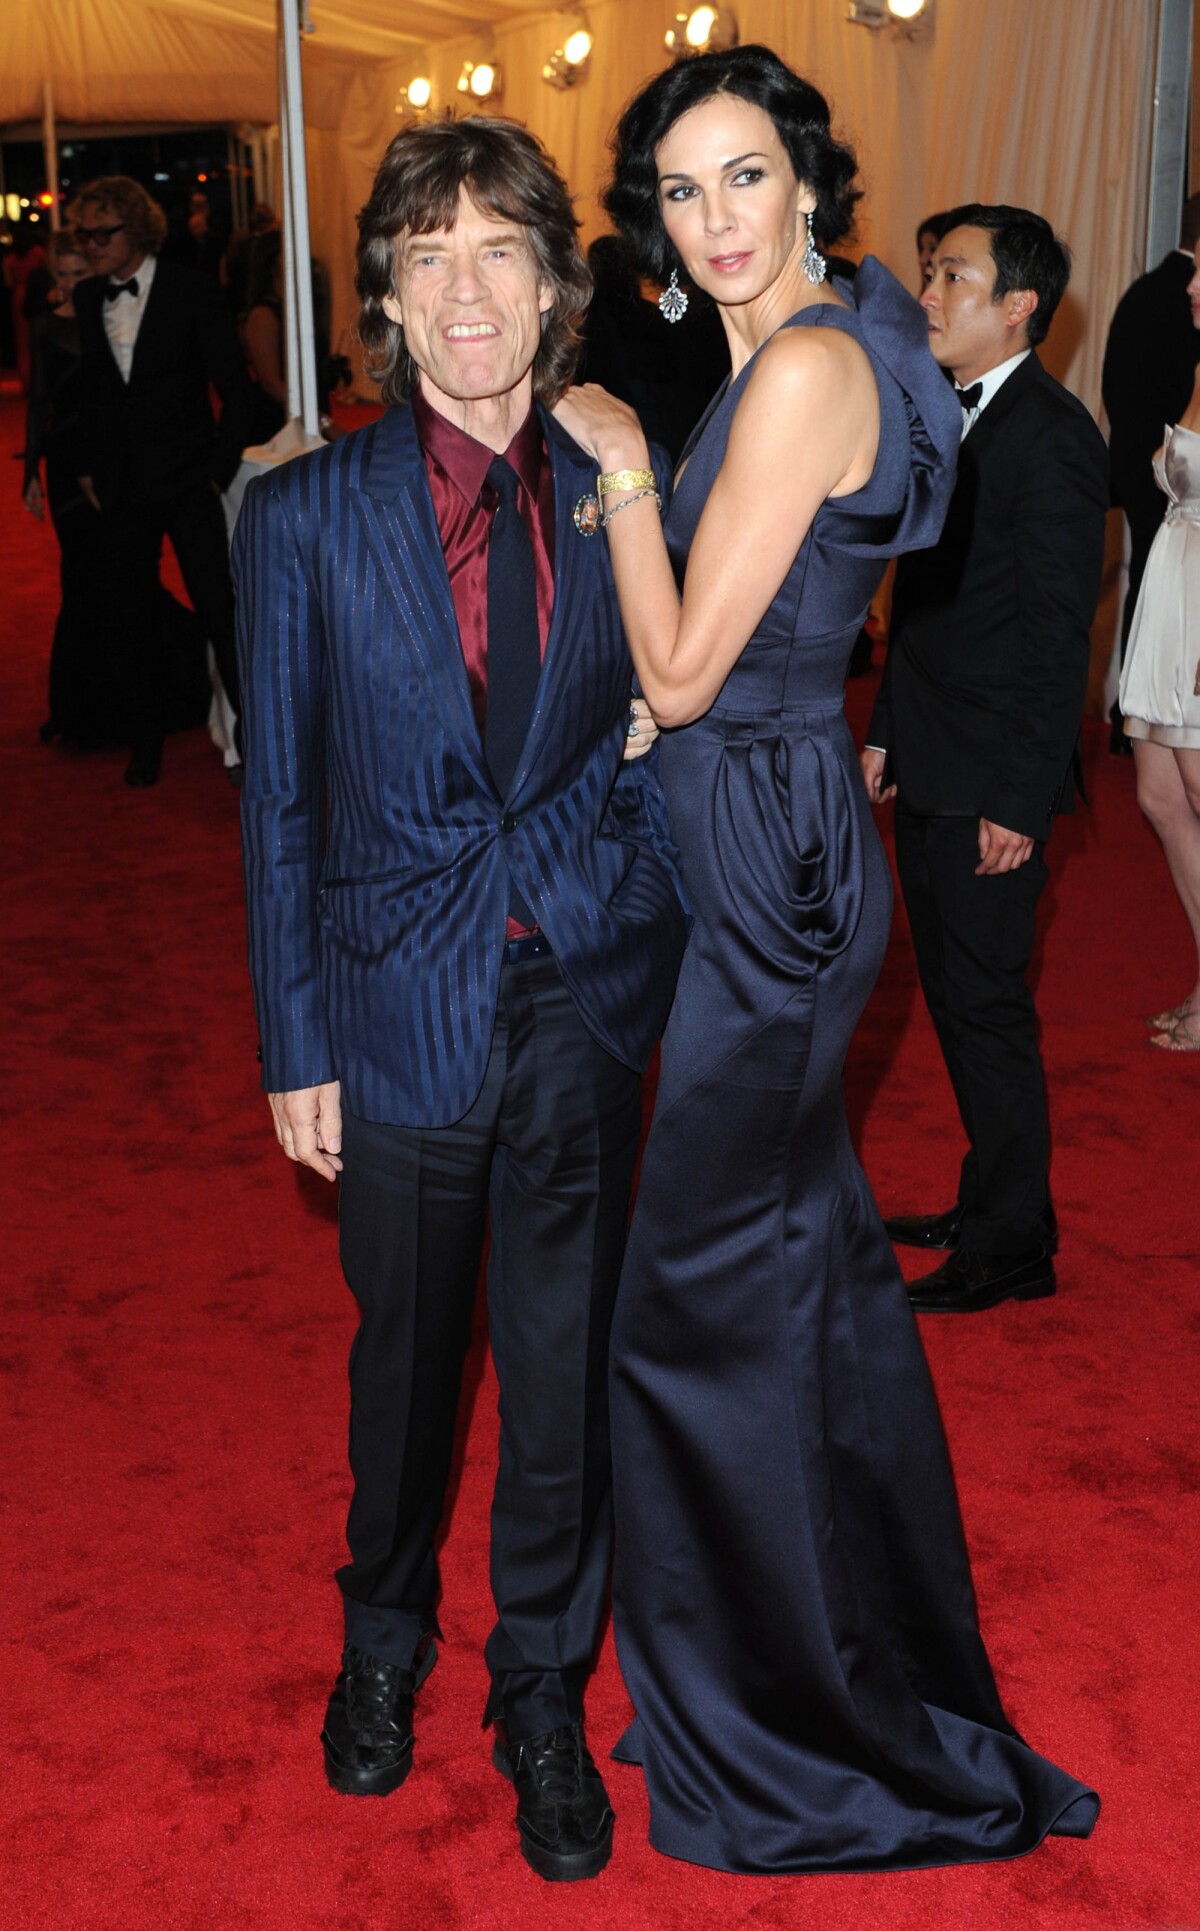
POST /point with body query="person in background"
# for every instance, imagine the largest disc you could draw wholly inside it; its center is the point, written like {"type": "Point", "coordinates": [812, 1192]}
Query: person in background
{"type": "Point", "coordinates": [82, 701]}
{"type": "Point", "coordinates": [156, 338]}
{"type": "Point", "coordinates": [235, 263]}
{"type": "Point", "coordinates": [30, 282]}
{"type": "Point", "coordinates": [1160, 687]}
{"type": "Point", "coordinates": [1150, 361]}
{"type": "Point", "coordinates": [975, 730]}
{"type": "Point", "coordinates": [263, 336]}
{"type": "Point", "coordinates": [929, 233]}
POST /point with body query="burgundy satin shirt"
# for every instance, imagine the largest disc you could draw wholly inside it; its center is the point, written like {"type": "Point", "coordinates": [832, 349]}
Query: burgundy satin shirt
{"type": "Point", "coordinates": [464, 503]}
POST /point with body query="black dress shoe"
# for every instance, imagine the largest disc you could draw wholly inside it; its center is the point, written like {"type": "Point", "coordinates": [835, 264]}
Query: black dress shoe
{"type": "Point", "coordinates": [368, 1734]}
{"type": "Point", "coordinates": [967, 1282]}
{"type": "Point", "coordinates": [926, 1230]}
{"type": "Point", "coordinates": [144, 765]}
{"type": "Point", "coordinates": [563, 1814]}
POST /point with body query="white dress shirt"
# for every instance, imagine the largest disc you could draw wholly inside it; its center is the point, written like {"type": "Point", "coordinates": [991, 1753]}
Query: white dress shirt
{"type": "Point", "coordinates": [123, 317]}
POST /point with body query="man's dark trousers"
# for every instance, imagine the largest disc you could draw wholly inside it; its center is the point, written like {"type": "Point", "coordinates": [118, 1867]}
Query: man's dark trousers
{"type": "Point", "coordinates": [133, 526]}
{"type": "Point", "coordinates": [550, 1145]}
{"type": "Point", "coordinates": [974, 939]}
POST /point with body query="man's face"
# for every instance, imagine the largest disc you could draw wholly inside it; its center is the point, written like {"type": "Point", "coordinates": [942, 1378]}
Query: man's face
{"type": "Point", "coordinates": [969, 331]}
{"type": "Point", "coordinates": [471, 303]}
{"type": "Point", "coordinates": [105, 242]}
{"type": "Point", "coordinates": [1193, 287]}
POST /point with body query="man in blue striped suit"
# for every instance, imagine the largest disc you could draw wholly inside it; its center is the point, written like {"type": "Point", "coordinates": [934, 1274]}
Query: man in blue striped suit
{"type": "Point", "coordinates": [464, 935]}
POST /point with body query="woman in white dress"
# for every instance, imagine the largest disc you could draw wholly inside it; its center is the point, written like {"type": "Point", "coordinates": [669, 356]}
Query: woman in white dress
{"type": "Point", "coordinates": [1160, 688]}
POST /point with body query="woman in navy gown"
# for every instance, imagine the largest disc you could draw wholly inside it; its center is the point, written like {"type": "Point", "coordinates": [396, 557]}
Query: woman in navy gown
{"type": "Point", "coordinates": [794, 1611]}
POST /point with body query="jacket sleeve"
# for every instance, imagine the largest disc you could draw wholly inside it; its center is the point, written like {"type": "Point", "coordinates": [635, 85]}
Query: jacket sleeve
{"type": "Point", "coordinates": [1057, 560]}
{"type": "Point", "coordinates": [281, 655]}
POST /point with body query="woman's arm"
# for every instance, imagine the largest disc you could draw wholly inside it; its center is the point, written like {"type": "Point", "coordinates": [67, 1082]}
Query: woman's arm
{"type": "Point", "coordinates": [264, 346]}
{"type": "Point", "coordinates": [806, 428]}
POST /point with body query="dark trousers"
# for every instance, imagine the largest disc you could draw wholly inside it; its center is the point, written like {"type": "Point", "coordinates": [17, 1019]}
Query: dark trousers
{"type": "Point", "coordinates": [83, 701]}
{"type": "Point", "coordinates": [134, 527]}
{"type": "Point", "coordinates": [973, 939]}
{"type": "Point", "coordinates": [549, 1146]}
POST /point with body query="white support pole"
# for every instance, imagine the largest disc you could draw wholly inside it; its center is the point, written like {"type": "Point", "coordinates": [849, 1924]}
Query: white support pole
{"type": "Point", "coordinates": [1169, 134]}
{"type": "Point", "coordinates": [295, 217]}
{"type": "Point", "coordinates": [50, 149]}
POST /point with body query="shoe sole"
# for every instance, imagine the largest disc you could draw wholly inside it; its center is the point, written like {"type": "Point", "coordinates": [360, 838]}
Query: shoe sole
{"type": "Point", "coordinates": [376, 1783]}
{"type": "Point", "coordinates": [1036, 1291]}
{"type": "Point", "coordinates": [915, 1240]}
{"type": "Point", "coordinates": [556, 1869]}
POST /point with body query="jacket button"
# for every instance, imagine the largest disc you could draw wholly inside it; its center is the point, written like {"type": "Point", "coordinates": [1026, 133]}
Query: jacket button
{"type": "Point", "coordinates": [508, 822]}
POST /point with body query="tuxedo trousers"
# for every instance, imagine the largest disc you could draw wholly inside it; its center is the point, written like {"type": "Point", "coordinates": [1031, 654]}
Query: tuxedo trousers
{"type": "Point", "coordinates": [134, 526]}
{"type": "Point", "coordinates": [547, 1151]}
{"type": "Point", "coordinates": [973, 938]}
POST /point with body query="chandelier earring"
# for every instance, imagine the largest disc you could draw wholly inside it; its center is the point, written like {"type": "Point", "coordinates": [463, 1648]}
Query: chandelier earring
{"type": "Point", "coordinates": [673, 301]}
{"type": "Point", "coordinates": [813, 262]}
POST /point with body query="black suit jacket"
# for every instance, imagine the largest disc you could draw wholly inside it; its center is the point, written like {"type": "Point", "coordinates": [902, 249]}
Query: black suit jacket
{"type": "Point", "coordinates": [1149, 366]}
{"type": "Point", "coordinates": [158, 429]}
{"type": "Point", "coordinates": [983, 690]}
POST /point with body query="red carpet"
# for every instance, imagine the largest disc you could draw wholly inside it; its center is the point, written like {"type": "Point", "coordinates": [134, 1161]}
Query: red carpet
{"type": "Point", "coordinates": [173, 1445]}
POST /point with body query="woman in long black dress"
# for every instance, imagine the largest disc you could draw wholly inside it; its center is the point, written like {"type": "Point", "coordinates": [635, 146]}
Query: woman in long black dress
{"type": "Point", "coordinates": [794, 1611]}
{"type": "Point", "coordinates": [82, 705]}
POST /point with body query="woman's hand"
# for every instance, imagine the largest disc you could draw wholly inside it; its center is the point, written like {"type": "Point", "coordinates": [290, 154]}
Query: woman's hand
{"type": "Point", "coordinates": [35, 499]}
{"type": "Point", "coordinates": [607, 429]}
{"type": "Point", "coordinates": [1196, 682]}
{"type": "Point", "coordinates": [642, 729]}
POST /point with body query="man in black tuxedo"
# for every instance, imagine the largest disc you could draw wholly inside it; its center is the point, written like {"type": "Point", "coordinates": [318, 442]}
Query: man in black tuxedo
{"type": "Point", "coordinates": [155, 337]}
{"type": "Point", "coordinates": [975, 730]}
{"type": "Point", "coordinates": [1149, 368]}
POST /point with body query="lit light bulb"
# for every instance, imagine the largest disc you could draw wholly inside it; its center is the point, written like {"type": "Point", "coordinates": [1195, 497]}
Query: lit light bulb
{"type": "Point", "coordinates": [699, 25]}
{"type": "Point", "coordinates": [420, 92]}
{"type": "Point", "coordinates": [577, 47]}
{"type": "Point", "coordinates": [483, 79]}
{"type": "Point", "coordinates": [906, 9]}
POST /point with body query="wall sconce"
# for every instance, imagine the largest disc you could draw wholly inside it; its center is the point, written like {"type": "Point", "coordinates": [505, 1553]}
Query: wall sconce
{"type": "Point", "coordinates": [481, 79]}
{"type": "Point", "coordinates": [706, 30]}
{"type": "Point", "coordinates": [907, 17]}
{"type": "Point", "coordinates": [569, 63]}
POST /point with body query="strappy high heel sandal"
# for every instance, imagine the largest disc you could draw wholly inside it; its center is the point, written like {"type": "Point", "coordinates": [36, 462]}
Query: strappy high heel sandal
{"type": "Point", "coordinates": [1162, 1022]}
{"type": "Point", "coordinates": [1182, 1037]}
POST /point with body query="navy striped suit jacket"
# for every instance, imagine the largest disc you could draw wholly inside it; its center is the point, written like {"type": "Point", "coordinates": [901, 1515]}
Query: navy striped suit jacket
{"type": "Point", "coordinates": [377, 851]}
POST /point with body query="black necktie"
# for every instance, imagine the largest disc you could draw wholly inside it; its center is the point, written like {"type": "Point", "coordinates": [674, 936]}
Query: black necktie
{"type": "Point", "coordinates": [113, 289]}
{"type": "Point", "coordinates": [970, 398]}
{"type": "Point", "coordinates": [514, 652]}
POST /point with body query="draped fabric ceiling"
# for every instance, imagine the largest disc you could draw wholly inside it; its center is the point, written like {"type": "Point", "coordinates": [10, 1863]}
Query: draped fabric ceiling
{"type": "Point", "coordinates": [1006, 100]}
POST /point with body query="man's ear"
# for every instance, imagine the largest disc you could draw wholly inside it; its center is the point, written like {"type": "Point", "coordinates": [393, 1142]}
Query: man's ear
{"type": "Point", "coordinates": [391, 308]}
{"type": "Point", "coordinates": [1020, 304]}
{"type": "Point", "coordinates": [545, 299]}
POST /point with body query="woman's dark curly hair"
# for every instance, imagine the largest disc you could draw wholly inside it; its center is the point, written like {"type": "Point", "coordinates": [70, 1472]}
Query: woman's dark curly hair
{"type": "Point", "coordinates": [507, 172]}
{"type": "Point", "coordinates": [755, 74]}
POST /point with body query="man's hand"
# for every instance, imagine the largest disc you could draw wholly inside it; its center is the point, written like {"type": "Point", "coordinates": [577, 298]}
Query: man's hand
{"type": "Point", "coordinates": [872, 763]}
{"type": "Point", "coordinates": [1000, 850]}
{"type": "Point", "coordinates": [35, 499]}
{"type": "Point", "coordinates": [308, 1126]}
{"type": "Point", "coordinates": [89, 489]}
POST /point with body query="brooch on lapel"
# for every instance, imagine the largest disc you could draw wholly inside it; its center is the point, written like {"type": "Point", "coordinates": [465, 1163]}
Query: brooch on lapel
{"type": "Point", "coordinates": [586, 515]}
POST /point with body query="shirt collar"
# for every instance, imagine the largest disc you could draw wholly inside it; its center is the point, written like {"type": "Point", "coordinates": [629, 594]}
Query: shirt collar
{"type": "Point", "coordinates": [142, 275]}
{"type": "Point", "coordinates": [466, 462]}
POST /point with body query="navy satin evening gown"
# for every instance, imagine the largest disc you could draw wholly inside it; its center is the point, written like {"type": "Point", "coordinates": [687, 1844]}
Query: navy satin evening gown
{"type": "Point", "coordinates": [794, 1612]}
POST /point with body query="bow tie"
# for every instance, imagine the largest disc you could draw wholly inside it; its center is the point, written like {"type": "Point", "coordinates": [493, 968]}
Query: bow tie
{"type": "Point", "coordinates": [970, 398]}
{"type": "Point", "coordinates": [113, 289]}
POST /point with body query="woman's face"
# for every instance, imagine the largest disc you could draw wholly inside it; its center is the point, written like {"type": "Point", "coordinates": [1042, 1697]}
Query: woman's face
{"type": "Point", "coordinates": [730, 201]}
{"type": "Point", "coordinates": [1193, 287]}
{"type": "Point", "coordinates": [69, 271]}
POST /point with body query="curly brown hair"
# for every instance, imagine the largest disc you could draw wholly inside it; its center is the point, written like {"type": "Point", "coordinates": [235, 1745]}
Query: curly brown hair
{"type": "Point", "coordinates": [140, 215]}
{"type": "Point", "coordinates": [507, 172]}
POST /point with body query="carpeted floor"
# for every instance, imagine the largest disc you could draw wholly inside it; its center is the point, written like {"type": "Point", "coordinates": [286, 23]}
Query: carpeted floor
{"type": "Point", "coordinates": [172, 1444]}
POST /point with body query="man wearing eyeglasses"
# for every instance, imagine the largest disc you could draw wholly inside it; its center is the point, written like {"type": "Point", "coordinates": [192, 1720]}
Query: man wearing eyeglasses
{"type": "Point", "coordinates": [156, 338]}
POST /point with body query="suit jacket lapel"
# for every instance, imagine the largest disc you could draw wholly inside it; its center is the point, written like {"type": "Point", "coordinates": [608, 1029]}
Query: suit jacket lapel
{"type": "Point", "coordinates": [394, 505]}
{"type": "Point", "coordinates": [576, 566]}
{"type": "Point", "coordinates": [152, 317]}
{"type": "Point", "coordinates": [1006, 398]}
